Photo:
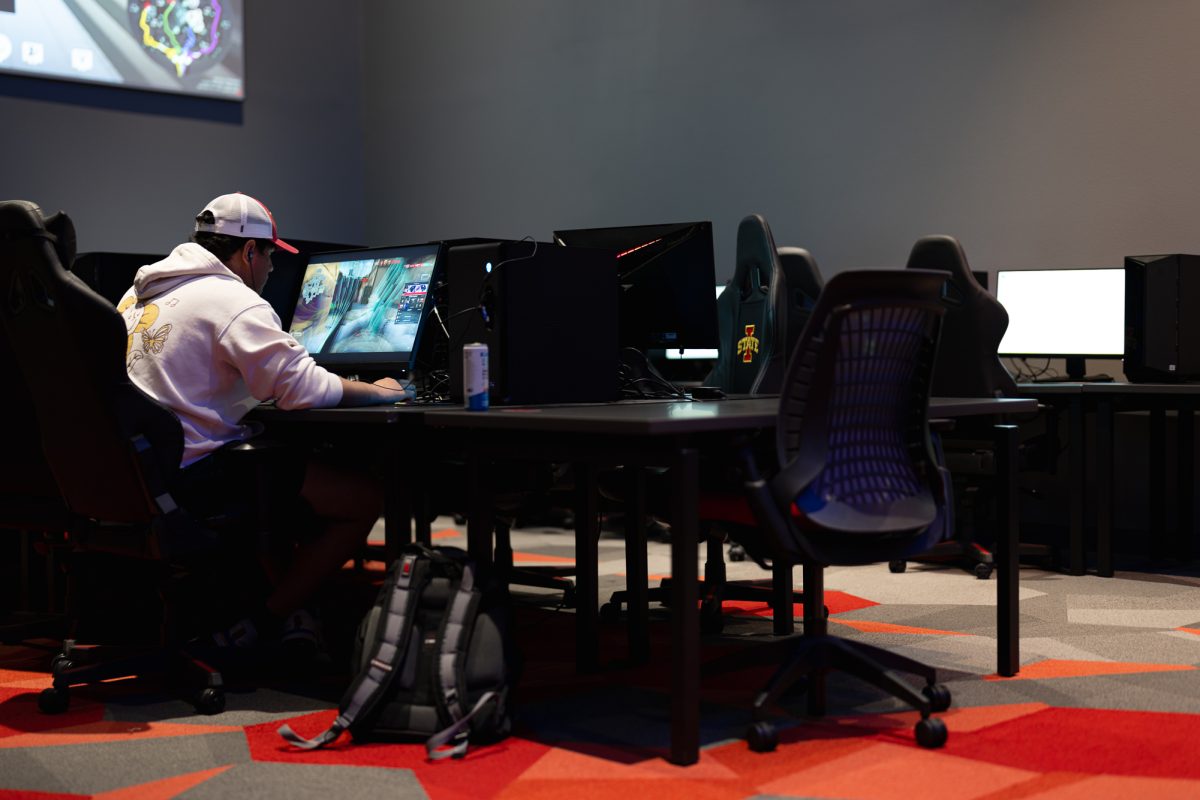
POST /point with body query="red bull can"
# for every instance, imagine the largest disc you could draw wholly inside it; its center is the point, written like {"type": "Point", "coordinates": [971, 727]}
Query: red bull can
{"type": "Point", "coordinates": [475, 377]}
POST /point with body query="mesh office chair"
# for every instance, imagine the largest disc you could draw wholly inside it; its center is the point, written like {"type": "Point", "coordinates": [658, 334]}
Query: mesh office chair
{"type": "Point", "coordinates": [967, 366]}
{"type": "Point", "coordinates": [114, 452]}
{"type": "Point", "coordinates": [856, 481]}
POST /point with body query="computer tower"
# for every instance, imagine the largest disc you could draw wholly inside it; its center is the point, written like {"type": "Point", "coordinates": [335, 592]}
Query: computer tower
{"type": "Point", "coordinates": [1162, 318]}
{"type": "Point", "coordinates": [548, 315]}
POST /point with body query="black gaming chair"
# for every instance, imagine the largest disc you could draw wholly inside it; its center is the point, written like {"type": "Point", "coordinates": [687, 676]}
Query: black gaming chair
{"type": "Point", "coordinates": [762, 310]}
{"type": "Point", "coordinates": [854, 478]}
{"type": "Point", "coordinates": [113, 451]}
{"type": "Point", "coordinates": [761, 315]}
{"type": "Point", "coordinates": [967, 366]}
{"type": "Point", "coordinates": [975, 322]}
{"type": "Point", "coordinates": [31, 513]}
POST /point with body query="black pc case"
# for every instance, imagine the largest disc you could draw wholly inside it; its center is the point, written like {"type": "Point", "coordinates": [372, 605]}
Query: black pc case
{"type": "Point", "coordinates": [548, 315]}
{"type": "Point", "coordinates": [1162, 318]}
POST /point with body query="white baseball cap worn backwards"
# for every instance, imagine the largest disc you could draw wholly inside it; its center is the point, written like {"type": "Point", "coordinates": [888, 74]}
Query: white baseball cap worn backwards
{"type": "Point", "coordinates": [240, 215]}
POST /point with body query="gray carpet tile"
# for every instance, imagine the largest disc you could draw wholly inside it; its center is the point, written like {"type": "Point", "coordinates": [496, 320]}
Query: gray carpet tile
{"type": "Point", "coordinates": [1153, 647]}
{"type": "Point", "coordinates": [273, 781]}
{"type": "Point", "coordinates": [241, 708]}
{"type": "Point", "coordinates": [89, 769]}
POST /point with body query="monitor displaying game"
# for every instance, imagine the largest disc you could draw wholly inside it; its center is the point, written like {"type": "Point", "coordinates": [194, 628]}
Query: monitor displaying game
{"type": "Point", "coordinates": [365, 308]}
{"type": "Point", "coordinates": [191, 47]}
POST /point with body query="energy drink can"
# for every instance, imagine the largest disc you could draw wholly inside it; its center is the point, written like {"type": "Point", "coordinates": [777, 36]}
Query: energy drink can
{"type": "Point", "coordinates": [475, 377]}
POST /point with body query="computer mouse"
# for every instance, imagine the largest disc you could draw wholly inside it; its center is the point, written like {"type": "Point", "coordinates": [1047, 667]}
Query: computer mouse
{"type": "Point", "coordinates": [707, 393]}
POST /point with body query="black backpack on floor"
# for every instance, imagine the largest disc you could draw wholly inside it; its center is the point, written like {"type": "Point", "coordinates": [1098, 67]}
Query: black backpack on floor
{"type": "Point", "coordinates": [435, 657]}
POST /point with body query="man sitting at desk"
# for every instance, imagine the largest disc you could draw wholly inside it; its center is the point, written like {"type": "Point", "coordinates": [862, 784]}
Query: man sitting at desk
{"type": "Point", "coordinates": [204, 343]}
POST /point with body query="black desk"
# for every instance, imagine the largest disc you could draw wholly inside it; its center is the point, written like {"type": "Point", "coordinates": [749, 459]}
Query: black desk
{"type": "Point", "coordinates": [672, 434]}
{"type": "Point", "coordinates": [1104, 400]}
{"type": "Point", "coordinates": [380, 430]}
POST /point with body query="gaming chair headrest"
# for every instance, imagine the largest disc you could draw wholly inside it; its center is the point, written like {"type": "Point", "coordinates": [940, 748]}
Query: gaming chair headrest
{"type": "Point", "coordinates": [942, 253]}
{"type": "Point", "coordinates": [25, 218]}
{"type": "Point", "coordinates": [755, 268]}
{"type": "Point", "coordinates": [60, 227]}
{"type": "Point", "coordinates": [801, 270]}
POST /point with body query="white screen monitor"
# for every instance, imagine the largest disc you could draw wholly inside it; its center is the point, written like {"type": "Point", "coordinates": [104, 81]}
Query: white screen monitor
{"type": "Point", "coordinates": [695, 354]}
{"type": "Point", "coordinates": [191, 47]}
{"type": "Point", "coordinates": [1063, 313]}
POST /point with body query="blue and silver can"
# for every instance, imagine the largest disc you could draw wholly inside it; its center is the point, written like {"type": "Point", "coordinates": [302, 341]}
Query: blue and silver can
{"type": "Point", "coordinates": [475, 377]}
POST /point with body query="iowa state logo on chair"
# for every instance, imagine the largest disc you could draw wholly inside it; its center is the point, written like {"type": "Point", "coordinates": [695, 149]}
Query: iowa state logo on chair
{"type": "Point", "coordinates": [747, 346]}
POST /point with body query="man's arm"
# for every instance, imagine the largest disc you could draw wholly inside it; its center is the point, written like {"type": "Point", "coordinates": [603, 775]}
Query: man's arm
{"type": "Point", "coordinates": [359, 393]}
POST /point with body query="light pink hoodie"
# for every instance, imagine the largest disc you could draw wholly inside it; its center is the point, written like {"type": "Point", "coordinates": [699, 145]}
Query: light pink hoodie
{"type": "Point", "coordinates": [208, 347]}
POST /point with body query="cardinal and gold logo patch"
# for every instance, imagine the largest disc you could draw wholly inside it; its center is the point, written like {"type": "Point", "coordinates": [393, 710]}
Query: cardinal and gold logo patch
{"type": "Point", "coordinates": [747, 346]}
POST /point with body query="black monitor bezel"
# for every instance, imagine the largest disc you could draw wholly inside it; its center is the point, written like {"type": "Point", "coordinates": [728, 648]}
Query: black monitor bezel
{"type": "Point", "coordinates": [593, 238]}
{"type": "Point", "coordinates": [393, 362]}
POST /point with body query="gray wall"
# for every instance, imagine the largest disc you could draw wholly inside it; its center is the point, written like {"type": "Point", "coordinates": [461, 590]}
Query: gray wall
{"type": "Point", "coordinates": [1040, 132]}
{"type": "Point", "coordinates": [133, 168]}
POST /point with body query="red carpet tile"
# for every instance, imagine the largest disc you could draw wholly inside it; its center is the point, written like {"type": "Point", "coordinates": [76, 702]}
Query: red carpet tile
{"type": "Point", "coordinates": [164, 789]}
{"type": "Point", "coordinates": [1089, 741]}
{"type": "Point", "coordinates": [1056, 668]}
{"type": "Point", "coordinates": [19, 713]}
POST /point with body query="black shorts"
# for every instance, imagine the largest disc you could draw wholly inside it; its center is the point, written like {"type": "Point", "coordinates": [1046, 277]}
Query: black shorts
{"type": "Point", "coordinates": [228, 484]}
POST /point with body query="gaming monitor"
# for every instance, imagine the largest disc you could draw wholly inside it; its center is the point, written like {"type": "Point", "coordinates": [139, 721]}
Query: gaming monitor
{"type": "Point", "coordinates": [1063, 313]}
{"type": "Point", "coordinates": [364, 309]}
{"type": "Point", "coordinates": [189, 47]}
{"type": "Point", "coordinates": [696, 353]}
{"type": "Point", "coordinates": [666, 274]}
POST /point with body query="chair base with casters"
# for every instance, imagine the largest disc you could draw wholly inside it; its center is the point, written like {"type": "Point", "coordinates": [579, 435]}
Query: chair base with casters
{"type": "Point", "coordinates": [816, 653]}
{"type": "Point", "coordinates": [203, 684]}
{"type": "Point", "coordinates": [544, 577]}
{"type": "Point", "coordinates": [715, 589]}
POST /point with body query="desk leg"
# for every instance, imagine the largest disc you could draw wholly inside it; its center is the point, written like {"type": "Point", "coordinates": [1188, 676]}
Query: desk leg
{"type": "Point", "coordinates": [587, 569]}
{"type": "Point", "coordinates": [422, 524]}
{"type": "Point", "coordinates": [1105, 420]}
{"type": "Point", "coordinates": [685, 616]}
{"type": "Point", "coordinates": [397, 513]}
{"type": "Point", "coordinates": [1077, 443]}
{"type": "Point", "coordinates": [1185, 474]}
{"type": "Point", "coordinates": [481, 520]}
{"type": "Point", "coordinates": [1157, 493]}
{"type": "Point", "coordinates": [636, 571]}
{"type": "Point", "coordinates": [1007, 567]}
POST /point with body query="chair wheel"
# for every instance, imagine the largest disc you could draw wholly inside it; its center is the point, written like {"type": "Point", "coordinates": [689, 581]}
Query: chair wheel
{"type": "Point", "coordinates": [983, 571]}
{"type": "Point", "coordinates": [610, 612]}
{"type": "Point", "coordinates": [54, 701]}
{"type": "Point", "coordinates": [60, 664]}
{"type": "Point", "coordinates": [737, 552]}
{"type": "Point", "coordinates": [937, 695]}
{"type": "Point", "coordinates": [762, 737]}
{"type": "Point", "coordinates": [211, 701]}
{"type": "Point", "coordinates": [931, 733]}
{"type": "Point", "coordinates": [897, 565]}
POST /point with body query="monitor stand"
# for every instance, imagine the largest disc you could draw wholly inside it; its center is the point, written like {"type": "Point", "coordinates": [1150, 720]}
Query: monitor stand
{"type": "Point", "coordinates": [1077, 371]}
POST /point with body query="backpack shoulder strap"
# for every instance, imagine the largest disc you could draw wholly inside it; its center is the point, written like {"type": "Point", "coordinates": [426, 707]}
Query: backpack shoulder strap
{"type": "Point", "coordinates": [453, 637]}
{"type": "Point", "coordinates": [409, 577]}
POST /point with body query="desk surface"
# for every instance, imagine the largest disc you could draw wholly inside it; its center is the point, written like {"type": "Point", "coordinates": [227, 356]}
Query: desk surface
{"type": "Point", "coordinates": [1109, 388]}
{"type": "Point", "coordinates": [675, 417]}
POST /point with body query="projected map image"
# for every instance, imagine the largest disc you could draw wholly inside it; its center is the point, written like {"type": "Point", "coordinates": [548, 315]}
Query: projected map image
{"type": "Point", "coordinates": [179, 46]}
{"type": "Point", "coordinates": [368, 306]}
